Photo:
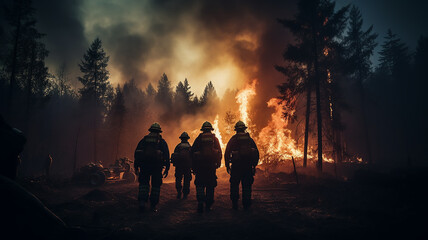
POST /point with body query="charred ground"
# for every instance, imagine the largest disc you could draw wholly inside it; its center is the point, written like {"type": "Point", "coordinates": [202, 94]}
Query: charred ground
{"type": "Point", "coordinates": [370, 205]}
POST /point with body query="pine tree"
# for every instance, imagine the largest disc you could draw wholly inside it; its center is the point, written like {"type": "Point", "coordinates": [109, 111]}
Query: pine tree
{"type": "Point", "coordinates": [19, 17]}
{"type": "Point", "coordinates": [359, 47]}
{"type": "Point", "coordinates": [25, 64]}
{"type": "Point", "coordinates": [316, 28]}
{"type": "Point", "coordinates": [96, 86]}
{"type": "Point", "coordinates": [394, 79]}
{"type": "Point", "coordinates": [96, 92]}
{"type": "Point", "coordinates": [183, 96]}
{"type": "Point", "coordinates": [210, 95]}
{"type": "Point", "coordinates": [187, 91]}
{"type": "Point", "coordinates": [164, 93]}
{"type": "Point", "coordinates": [151, 91]}
{"type": "Point", "coordinates": [393, 55]}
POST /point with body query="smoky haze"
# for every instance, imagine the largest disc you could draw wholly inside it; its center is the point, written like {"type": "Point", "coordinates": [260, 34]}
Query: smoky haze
{"type": "Point", "coordinates": [228, 43]}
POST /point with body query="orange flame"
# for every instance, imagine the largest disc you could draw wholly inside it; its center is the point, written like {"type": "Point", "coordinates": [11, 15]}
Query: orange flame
{"type": "Point", "coordinates": [218, 134]}
{"type": "Point", "coordinates": [276, 138]}
{"type": "Point", "coordinates": [275, 141]}
{"type": "Point", "coordinates": [242, 98]}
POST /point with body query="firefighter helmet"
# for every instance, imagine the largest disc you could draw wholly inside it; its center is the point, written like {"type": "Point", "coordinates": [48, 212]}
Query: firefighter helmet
{"type": "Point", "coordinates": [155, 127]}
{"type": "Point", "coordinates": [207, 126]}
{"type": "Point", "coordinates": [240, 125]}
{"type": "Point", "coordinates": [184, 135]}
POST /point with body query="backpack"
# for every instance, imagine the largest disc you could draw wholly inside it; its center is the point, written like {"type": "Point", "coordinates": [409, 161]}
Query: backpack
{"type": "Point", "coordinates": [182, 158]}
{"type": "Point", "coordinates": [148, 152]}
{"type": "Point", "coordinates": [207, 156]}
{"type": "Point", "coordinates": [245, 153]}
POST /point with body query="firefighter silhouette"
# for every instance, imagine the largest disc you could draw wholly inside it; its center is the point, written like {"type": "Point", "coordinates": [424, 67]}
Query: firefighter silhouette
{"type": "Point", "coordinates": [207, 156]}
{"type": "Point", "coordinates": [151, 156]}
{"type": "Point", "coordinates": [182, 160]}
{"type": "Point", "coordinates": [241, 158]}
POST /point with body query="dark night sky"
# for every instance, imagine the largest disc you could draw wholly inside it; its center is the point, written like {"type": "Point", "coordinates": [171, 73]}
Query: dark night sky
{"type": "Point", "coordinates": [407, 19]}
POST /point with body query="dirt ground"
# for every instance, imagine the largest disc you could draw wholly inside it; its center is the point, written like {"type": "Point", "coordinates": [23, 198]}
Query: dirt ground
{"type": "Point", "coordinates": [371, 205]}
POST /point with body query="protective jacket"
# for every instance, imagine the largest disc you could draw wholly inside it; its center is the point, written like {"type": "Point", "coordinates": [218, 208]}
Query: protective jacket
{"type": "Point", "coordinates": [206, 152]}
{"type": "Point", "coordinates": [152, 152]}
{"type": "Point", "coordinates": [182, 158]}
{"type": "Point", "coordinates": [241, 151]}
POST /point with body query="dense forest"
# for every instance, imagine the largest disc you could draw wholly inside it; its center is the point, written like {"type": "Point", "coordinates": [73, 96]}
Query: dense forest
{"type": "Point", "coordinates": [339, 102]}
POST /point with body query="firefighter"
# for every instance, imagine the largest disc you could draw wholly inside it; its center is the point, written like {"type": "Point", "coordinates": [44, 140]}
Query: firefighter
{"type": "Point", "coordinates": [206, 153]}
{"type": "Point", "coordinates": [151, 156]}
{"type": "Point", "coordinates": [241, 158]}
{"type": "Point", "coordinates": [182, 161]}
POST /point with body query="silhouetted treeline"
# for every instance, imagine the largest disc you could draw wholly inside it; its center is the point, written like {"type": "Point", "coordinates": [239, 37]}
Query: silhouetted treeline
{"type": "Point", "coordinates": [95, 123]}
{"type": "Point", "coordinates": [376, 112]}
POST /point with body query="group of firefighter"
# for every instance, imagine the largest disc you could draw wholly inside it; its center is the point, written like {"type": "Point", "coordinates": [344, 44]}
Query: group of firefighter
{"type": "Point", "coordinates": [202, 159]}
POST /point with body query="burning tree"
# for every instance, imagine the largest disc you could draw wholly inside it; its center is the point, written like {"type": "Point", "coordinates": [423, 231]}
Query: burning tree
{"type": "Point", "coordinates": [316, 28]}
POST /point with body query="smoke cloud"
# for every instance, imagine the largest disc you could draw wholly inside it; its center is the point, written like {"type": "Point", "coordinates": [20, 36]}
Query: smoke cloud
{"type": "Point", "coordinates": [227, 42]}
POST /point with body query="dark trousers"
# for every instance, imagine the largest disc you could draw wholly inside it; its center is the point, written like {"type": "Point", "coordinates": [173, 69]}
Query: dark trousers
{"type": "Point", "coordinates": [183, 175]}
{"type": "Point", "coordinates": [205, 182]}
{"type": "Point", "coordinates": [155, 175]}
{"type": "Point", "coordinates": [246, 178]}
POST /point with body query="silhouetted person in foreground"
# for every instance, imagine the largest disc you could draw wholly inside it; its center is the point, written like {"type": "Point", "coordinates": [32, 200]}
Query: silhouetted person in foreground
{"type": "Point", "coordinates": [151, 156]}
{"type": "Point", "coordinates": [241, 158]}
{"type": "Point", "coordinates": [25, 216]}
{"type": "Point", "coordinates": [182, 160]}
{"type": "Point", "coordinates": [12, 143]}
{"type": "Point", "coordinates": [207, 155]}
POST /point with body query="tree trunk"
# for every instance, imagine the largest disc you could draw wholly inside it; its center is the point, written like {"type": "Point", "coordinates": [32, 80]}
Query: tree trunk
{"type": "Point", "coordinates": [365, 123]}
{"type": "Point", "coordinates": [318, 101]}
{"type": "Point", "coordinates": [319, 124]}
{"type": "Point", "coordinates": [14, 63]}
{"type": "Point", "coordinates": [308, 112]}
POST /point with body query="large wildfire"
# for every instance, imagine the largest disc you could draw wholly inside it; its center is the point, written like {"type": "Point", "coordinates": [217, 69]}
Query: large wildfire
{"type": "Point", "coordinates": [275, 140]}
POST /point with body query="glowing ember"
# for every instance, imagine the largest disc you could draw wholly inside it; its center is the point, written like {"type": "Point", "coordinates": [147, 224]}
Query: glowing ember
{"type": "Point", "coordinates": [242, 98]}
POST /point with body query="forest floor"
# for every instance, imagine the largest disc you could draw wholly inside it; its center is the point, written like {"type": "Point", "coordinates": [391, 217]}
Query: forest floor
{"type": "Point", "coordinates": [370, 205]}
